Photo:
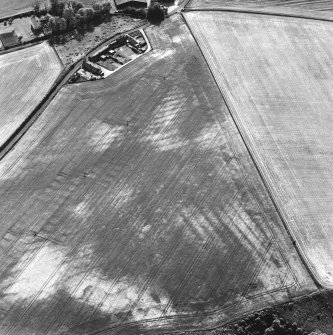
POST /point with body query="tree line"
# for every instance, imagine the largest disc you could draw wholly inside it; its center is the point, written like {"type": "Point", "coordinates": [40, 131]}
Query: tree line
{"type": "Point", "coordinates": [62, 16]}
{"type": "Point", "coordinates": [65, 15]}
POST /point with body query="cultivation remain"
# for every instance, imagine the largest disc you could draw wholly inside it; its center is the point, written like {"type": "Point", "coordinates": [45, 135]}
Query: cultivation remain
{"type": "Point", "coordinates": [132, 205]}
{"type": "Point", "coordinates": [167, 173]}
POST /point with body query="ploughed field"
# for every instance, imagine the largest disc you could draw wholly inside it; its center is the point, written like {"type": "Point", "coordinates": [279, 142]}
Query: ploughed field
{"type": "Point", "coordinates": [26, 76]}
{"type": "Point", "coordinates": [147, 209]}
{"type": "Point", "coordinates": [317, 5]}
{"type": "Point", "coordinates": [276, 75]}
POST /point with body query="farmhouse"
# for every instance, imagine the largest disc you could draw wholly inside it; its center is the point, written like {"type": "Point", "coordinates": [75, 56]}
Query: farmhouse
{"type": "Point", "coordinates": [36, 24]}
{"type": "Point", "coordinates": [134, 3]}
{"type": "Point", "coordinates": [9, 38]}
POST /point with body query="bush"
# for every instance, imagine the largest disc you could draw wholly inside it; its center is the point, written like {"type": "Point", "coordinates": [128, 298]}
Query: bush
{"type": "Point", "coordinates": [155, 13]}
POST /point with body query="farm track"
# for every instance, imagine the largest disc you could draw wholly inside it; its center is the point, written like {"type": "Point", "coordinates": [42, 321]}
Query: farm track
{"type": "Point", "coordinates": [300, 5]}
{"type": "Point", "coordinates": [157, 223]}
{"type": "Point", "coordinates": [285, 178]}
{"type": "Point", "coordinates": [270, 11]}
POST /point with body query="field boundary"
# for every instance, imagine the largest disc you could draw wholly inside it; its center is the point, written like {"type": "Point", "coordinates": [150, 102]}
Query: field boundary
{"type": "Point", "coordinates": [282, 12]}
{"type": "Point", "coordinates": [161, 327]}
{"type": "Point", "coordinates": [259, 170]}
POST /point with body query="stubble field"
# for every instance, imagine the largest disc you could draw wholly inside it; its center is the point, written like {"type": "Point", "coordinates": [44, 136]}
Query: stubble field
{"type": "Point", "coordinates": [276, 75]}
{"type": "Point", "coordinates": [25, 76]}
{"type": "Point", "coordinates": [148, 211]}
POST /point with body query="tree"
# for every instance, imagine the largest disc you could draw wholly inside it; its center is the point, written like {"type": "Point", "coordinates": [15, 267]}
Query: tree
{"type": "Point", "coordinates": [60, 8]}
{"type": "Point", "coordinates": [45, 18]}
{"type": "Point", "coordinates": [83, 14]}
{"type": "Point", "coordinates": [78, 20]}
{"type": "Point", "coordinates": [140, 13]}
{"type": "Point", "coordinates": [57, 7]}
{"type": "Point", "coordinates": [54, 6]}
{"type": "Point", "coordinates": [36, 6]}
{"type": "Point", "coordinates": [86, 14]}
{"type": "Point", "coordinates": [52, 24]}
{"type": "Point", "coordinates": [57, 24]}
{"type": "Point", "coordinates": [90, 13]}
{"type": "Point", "coordinates": [62, 24]}
{"type": "Point", "coordinates": [76, 5]}
{"type": "Point", "coordinates": [68, 14]}
{"type": "Point", "coordinates": [97, 7]}
{"type": "Point", "coordinates": [106, 6]}
{"type": "Point", "coordinates": [155, 13]}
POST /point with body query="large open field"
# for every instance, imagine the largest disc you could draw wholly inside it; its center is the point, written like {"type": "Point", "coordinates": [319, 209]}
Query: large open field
{"type": "Point", "coordinates": [317, 5]}
{"type": "Point", "coordinates": [148, 210]}
{"type": "Point", "coordinates": [276, 75]}
{"type": "Point", "coordinates": [26, 76]}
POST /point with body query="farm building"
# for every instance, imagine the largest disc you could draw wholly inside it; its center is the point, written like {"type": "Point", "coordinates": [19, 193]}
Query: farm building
{"type": "Point", "coordinates": [120, 41]}
{"type": "Point", "coordinates": [36, 24]}
{"type": "Point", "coordinates": [9, 38]}
{"type": "Point", "coordinates": [133, 3]}
{"type": "Point", "coordinates": [92, 68]}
